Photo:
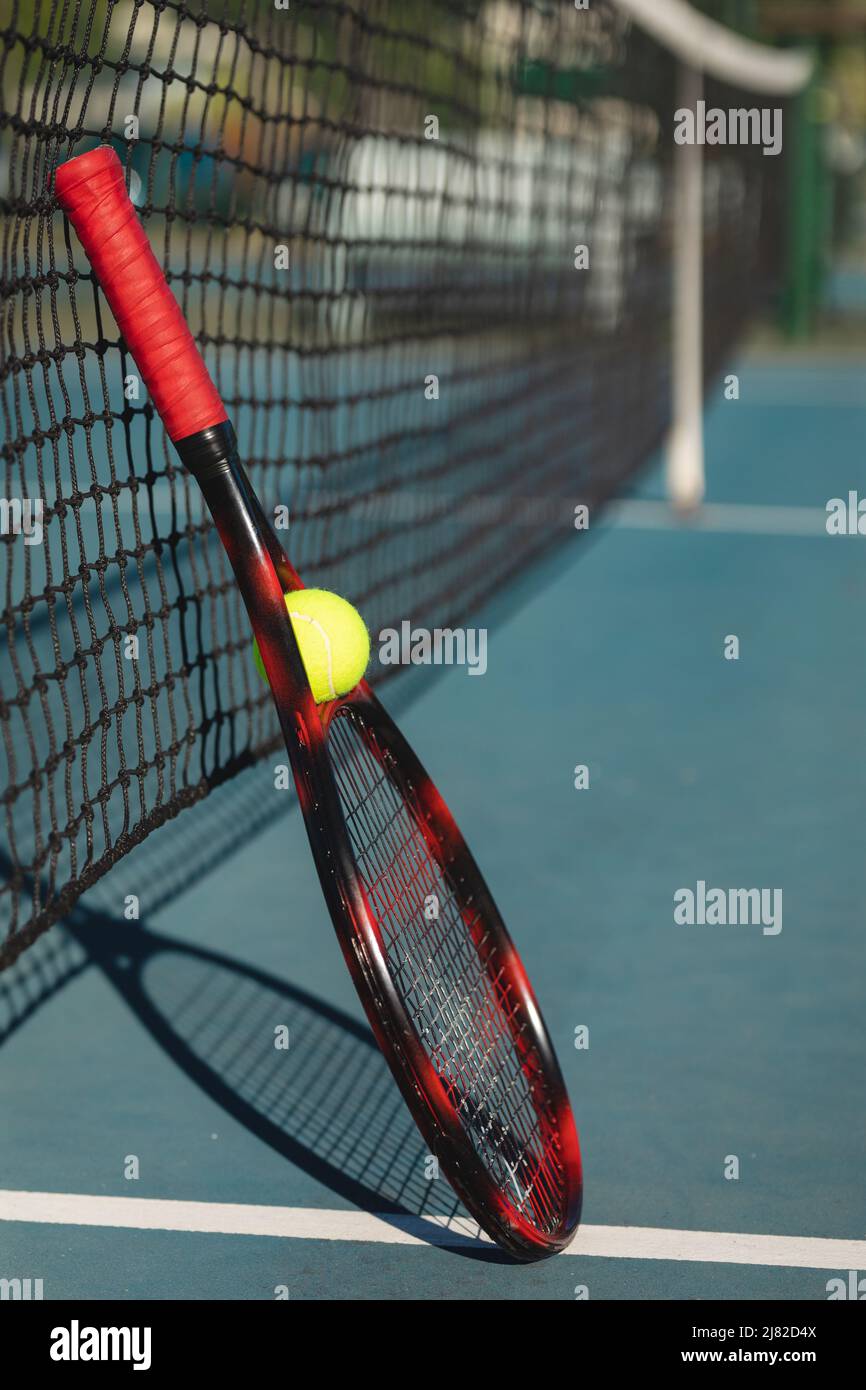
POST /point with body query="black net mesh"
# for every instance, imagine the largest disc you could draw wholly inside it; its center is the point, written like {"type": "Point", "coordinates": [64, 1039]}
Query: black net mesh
{"type": "Point", "coordinates": [369, 212]}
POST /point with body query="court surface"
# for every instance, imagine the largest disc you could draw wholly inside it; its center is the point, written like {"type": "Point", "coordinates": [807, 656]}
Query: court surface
{"type": "Point", "coordinates": [156, 1144]}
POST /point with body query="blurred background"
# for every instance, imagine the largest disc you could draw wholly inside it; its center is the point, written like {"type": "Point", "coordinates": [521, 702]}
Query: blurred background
{"type": "Point", "coordinates": [371, 213]}
{"type": "Point", "coordinates": [825, 295]}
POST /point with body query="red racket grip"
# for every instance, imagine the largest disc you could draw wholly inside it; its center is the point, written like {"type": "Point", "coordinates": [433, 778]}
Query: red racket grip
{"type": "Point", "coordinates": [92, 193]}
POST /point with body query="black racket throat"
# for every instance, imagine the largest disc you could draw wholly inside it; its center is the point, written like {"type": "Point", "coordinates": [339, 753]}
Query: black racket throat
{"type": "Point", "coordinates": [212, 457]}
{"type": "Point", "coordinates": [210, 453]}
{"type": "Point", "coordinates": [261, 568]}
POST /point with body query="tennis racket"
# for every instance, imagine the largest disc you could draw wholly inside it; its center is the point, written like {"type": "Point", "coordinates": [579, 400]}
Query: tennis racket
{"type": "Point", "coordinates": [441, 983]}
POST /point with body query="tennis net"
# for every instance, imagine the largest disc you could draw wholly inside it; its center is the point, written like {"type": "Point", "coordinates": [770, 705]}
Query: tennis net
{"type": "Point", "coordinates": [426, 249]}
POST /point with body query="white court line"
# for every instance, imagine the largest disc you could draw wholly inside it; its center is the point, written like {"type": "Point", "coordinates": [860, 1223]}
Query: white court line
{"type": "Point", "coordinates": [311, 1223]}
{"type": "Point", "coordinates": [732, 518]}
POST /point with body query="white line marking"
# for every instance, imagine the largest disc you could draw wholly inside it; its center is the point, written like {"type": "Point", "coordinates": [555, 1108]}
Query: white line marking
{"type": "Point", "coordinates": [723, 517]}
{"type": "Point", "coordinates": [312, 1223]}
{"type": "Point", "coordinates": [718, 1247]}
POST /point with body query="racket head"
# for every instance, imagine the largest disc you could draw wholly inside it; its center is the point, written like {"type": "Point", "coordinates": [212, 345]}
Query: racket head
{"type": "Point", "coordinates": [441, 983]}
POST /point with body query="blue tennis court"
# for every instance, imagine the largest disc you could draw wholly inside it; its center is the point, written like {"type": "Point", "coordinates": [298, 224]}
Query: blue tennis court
{"type": "Point", "coordinates": [176, 1142]}
{"type": "Point", "coordinates": [535, 334]}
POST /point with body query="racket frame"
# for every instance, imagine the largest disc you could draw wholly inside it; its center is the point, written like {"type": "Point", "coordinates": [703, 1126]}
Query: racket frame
{"type": "Point", "coordinates": [264, 575]}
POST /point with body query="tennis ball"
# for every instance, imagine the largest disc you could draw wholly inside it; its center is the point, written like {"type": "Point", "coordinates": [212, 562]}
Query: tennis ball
{"type": "Point", "coordinates": [332, 639]}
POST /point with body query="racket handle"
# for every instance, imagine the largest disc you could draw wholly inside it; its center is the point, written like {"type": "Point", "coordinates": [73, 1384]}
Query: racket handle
{"type": "Point", "coordinates": [92, 193]}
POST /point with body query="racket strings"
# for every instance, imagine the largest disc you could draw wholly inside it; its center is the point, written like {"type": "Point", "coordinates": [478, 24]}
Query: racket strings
{"type": "Point", "coordinates": [386, 885]}
{"type": "Point", "coordinates": [454, 988]}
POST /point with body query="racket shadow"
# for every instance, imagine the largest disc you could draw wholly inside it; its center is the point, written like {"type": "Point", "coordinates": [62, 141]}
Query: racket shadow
{"type": "Point", "coordinates": [326, 1101]}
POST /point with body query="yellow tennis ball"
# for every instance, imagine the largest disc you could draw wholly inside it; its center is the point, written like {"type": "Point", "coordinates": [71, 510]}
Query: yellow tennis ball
{"type": "Point", "coordinates": [333, 641]}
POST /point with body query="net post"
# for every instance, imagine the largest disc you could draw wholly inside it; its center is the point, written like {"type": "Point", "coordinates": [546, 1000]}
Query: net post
{"type": "Point", "coordinates": [685, 446]}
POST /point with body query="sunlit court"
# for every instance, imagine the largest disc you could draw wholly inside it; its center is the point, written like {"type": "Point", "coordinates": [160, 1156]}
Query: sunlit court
{"type": "Point", "coordinates": [431, 677]}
